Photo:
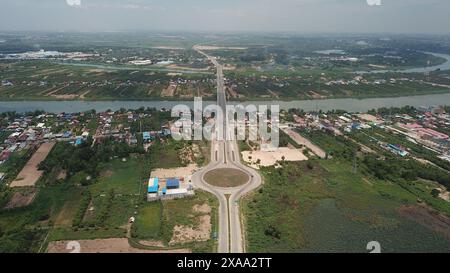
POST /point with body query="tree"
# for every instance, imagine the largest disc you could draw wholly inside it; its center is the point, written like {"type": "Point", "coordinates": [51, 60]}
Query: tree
{"type": "Point", "coordinates": [272, 231]}
{"type": "Point", "coordinates": [435, 193]}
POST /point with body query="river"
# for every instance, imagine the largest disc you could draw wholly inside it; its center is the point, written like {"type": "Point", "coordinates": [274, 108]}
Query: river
{"type": "Point", "coordinates": [347, 104]}
{"type": "Point", "coordinates": [444, 66]}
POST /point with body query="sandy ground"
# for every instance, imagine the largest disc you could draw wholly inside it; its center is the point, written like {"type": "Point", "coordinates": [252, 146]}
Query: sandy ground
{"type": "Point", "coordinates": [65, 97]}
{"type": "Point", "coordinates": [169, 91]}
{"type": "Point", "coordinates": [205, 208]}
{"type": "Point", "coordinates": [152, 243]}
{"type": "Point", "coordinates": [271, 158]}
{"type": "Point", "coordinates": [200, 232]}
{"type": "Point", "coordinates": [175, 172]}
{"type": "Point", "coordinates": [316, 95]}
{"type": "Point", "coordinates": [115, 245]}
{"type": "Point", "coordinates": [30, 173]}
{"type": "Point", "coordinates": [303, 141]}
{"type": "Point", "coordinates": [21, 199]}
{"type": "Point", "coordinates": [445, 195]}
{"type": "Point", "coordinates": [62, 175]}
{"type": "Point", "coordinates": [84, 94]}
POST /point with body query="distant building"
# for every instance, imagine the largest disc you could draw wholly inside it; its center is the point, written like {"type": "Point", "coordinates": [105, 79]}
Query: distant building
{"type": "Point", "coordinates": [146, 137]}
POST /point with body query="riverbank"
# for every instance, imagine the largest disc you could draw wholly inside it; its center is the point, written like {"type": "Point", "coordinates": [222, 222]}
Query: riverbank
{"type": "Point", "coordinates": [237, 100]}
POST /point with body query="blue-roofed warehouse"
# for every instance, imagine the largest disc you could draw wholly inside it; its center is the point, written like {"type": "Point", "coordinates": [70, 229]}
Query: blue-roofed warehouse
{"type": "Point", "coordinates": [173, 184]}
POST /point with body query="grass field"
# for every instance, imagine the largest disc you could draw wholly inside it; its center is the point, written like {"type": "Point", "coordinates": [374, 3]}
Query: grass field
{"type": "Point", "coordinates": [226, 178]}
{"type": "Point", "coordinates": [321, 206]}
{"type": "Point", "coordinates": [148, 221]}
{"type": "Point", "coordinates": [122, 177]}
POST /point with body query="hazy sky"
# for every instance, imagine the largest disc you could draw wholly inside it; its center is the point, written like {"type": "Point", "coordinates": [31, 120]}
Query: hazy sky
{"type": "Point", "coordinates": [303, 16]}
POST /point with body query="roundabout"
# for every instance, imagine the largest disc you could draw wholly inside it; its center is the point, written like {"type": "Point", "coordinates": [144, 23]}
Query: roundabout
{"type": "Point", "coordinates": [226, 178]}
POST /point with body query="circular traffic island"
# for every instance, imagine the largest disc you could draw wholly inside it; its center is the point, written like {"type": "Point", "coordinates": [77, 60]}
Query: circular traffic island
{"type": "Point", "coordinates": [226, 178]}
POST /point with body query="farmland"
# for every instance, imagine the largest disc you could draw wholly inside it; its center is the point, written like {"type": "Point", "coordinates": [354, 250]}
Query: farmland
{"type": "Point", "coordinates": [152, 67]}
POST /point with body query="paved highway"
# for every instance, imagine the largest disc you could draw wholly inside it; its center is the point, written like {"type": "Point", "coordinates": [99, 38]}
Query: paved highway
{"type": "Point", "coordinates": [225, 154]}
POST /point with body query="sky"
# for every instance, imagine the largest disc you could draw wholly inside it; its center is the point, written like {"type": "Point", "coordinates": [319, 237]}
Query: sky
{"type": "Point", "coordinates": [297, 16]}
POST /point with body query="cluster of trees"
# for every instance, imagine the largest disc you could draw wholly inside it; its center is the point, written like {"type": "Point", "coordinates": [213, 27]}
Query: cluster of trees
{"type": "Point", "coordinates": [410, 170]}
{"type": "Point", "coordinates": [409, 110]}
{"type": "Point", "coordinates": [105, 210]}
{"type": "Point", "coordinates": [101, 215]}
{"type": "Point", "coordinates": [335, 146]}
{"type": "Point", "coordinates": [19, 241]}
{"type": "Point", "coordinates": [84, 204]}
{"type": "Point", "coordinates": [85, 158]}
{"type": "Point", "coordinates": [390, 168]}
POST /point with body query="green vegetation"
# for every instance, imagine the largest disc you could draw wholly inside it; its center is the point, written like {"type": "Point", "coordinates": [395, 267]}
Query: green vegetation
{"type": "Point", "coordinates": [105, 185]}
{"type": "Point", "coordinates": [148, 222]}
{"type": "Point", "coordinates": [156, 221]}
{"type": "Point", "coordinates": [123, 177]}
{"type": "Point", "coordinates": [170, 149]}
{"type": "Point", "coordinates": [321, 206]}
{"type": "Point", "coordinates": [333, 205]}
{"type": "Point", "coordinates": [226, 178]}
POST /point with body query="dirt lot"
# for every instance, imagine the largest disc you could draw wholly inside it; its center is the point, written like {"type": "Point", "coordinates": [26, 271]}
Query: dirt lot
{"type": "Point", "coordinates": [21, 199]}
{"type": "Point", "coordinates": [30, 173]}
{"type": "Point", "coordinates": [200, 232]}
{"type": "Point", "coordinates": [175, 172]}
{"type": "Point", "coordinates": [305, 142]}
{"type": "Point", "coordinates": [270, 158]}
{"type": "Point", "coordinates": [170, 90]}
{"type": "Point", "coordinates": [115, 245]}
{"type": "Point", "coordinates": [428, 218]}
{"type": "Point", "coordinates": [444, 195]}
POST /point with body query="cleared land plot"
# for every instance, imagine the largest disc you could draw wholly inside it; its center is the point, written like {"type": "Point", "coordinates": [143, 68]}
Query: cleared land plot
{"type": "Point", "coordinates": [122, 177]}
{"type": "Point", "coordinates": [30, 173]}
{"type": "Point", "coordinates": [175, 172]}
{"type": "Point", "coordinates": [226, 178]}
{"type": "Point", "coordinates": [305, 142]}
{"type": "Point", "coordinates": [169, 91]}
{"type": "Point", "coordinates": [21, 199]}
{"type": "Point", "coordinates": [183, 234]}
{"type": "Point", "coordinates": [270, 158]}
{"type": "Point", "coordinates": [114, 245]}
{"type": "Point", "coordinates": [202, 230]}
